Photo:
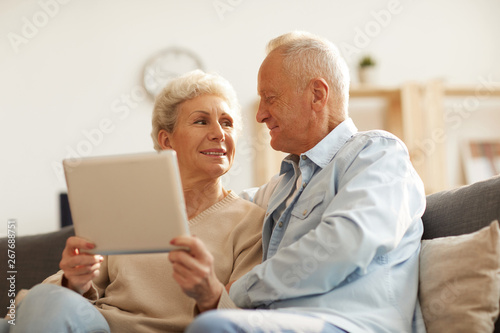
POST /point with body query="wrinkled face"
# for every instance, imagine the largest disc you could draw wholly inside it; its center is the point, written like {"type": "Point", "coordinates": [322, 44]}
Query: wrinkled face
{"type": "Point", "coordinates": [204, 137]}
{"type": "Point", "coordinates": [282, 108]}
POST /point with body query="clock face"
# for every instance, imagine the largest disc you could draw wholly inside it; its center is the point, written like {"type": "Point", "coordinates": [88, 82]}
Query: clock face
{"type": "Point", "coordinates": [166, 65]}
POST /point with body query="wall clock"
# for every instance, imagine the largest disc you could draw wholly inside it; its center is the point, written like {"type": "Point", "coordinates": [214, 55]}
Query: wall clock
{"type": "Point", "coordinates": [167, 64]}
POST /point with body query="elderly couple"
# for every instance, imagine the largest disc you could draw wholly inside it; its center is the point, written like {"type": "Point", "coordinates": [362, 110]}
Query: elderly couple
{"type": "Point", "coordinates": [330, 244]}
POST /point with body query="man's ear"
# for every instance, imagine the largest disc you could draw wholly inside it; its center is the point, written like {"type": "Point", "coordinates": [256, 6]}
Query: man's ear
{"type": "Point", "coordinates": [164, 140]}
{"type": "Point", "coordinates": [320, 93]}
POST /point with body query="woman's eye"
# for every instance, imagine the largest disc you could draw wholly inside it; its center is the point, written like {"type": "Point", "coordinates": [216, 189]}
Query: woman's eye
{"type": "Point", "coordinates": [227, 123]}
{"type": "Point", "coordinates": [200, 122]}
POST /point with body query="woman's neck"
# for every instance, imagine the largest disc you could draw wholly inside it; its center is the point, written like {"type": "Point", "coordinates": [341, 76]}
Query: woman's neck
{"type": "Point", "coordinates": [200, 195]}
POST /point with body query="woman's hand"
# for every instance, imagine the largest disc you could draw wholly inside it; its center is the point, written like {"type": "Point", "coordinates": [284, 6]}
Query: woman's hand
{"type": "Point", "coordinates": [79, 268]}
{"type": "Point", "coordinates": [194, 272]}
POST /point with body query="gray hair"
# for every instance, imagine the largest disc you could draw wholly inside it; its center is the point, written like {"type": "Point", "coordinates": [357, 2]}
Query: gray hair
{"type": "Point", "coordinates": [187, 87]}
{"type": "Point", "coordinates": [306, 56]}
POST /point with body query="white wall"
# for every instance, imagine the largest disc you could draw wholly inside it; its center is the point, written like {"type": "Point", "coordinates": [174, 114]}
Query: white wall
{"type": "Point", "coordinates": [86, 59]}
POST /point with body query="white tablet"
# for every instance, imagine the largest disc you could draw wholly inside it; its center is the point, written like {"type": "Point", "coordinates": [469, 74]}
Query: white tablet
{"type": "Point", "coordinates": [127, 203]}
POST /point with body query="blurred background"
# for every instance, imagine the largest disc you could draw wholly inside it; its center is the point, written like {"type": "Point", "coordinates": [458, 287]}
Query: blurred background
{"type": "Point", "coordinates": [72, 77]}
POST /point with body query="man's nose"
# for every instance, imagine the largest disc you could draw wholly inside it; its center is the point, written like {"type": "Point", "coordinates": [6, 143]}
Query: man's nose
{"type": "Point", "coordinates": [262, 113]}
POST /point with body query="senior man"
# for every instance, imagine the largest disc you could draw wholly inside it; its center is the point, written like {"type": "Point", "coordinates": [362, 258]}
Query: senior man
{"type": "Point", "coordinates": [341, 236]}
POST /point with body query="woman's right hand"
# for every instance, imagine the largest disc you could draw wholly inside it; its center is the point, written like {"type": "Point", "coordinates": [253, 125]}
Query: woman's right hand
{"type": "Point", "coordinates": [79, 267]}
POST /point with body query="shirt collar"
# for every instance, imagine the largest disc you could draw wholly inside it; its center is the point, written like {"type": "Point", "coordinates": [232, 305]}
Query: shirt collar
{"type": "Point", "coordinates": [325, 150]}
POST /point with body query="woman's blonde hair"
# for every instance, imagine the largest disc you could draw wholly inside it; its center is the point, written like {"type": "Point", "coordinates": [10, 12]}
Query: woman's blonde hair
{"type": "Point", "coordinates": [187, 87]}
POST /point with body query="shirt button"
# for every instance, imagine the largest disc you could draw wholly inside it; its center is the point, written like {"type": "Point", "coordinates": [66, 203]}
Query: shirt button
{"type": "Point", "coordinates": [280, 225]}
{"type": "Point", "coordinates": [304, 157]}
{"type": "Point", "coordinates": [304, 212]}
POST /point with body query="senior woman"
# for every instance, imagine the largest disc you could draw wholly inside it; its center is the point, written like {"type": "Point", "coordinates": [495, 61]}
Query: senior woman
{"type": "Point", "coordinates": [197, 115]}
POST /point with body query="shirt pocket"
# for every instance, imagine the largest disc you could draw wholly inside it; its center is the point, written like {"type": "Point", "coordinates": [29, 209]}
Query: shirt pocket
{"type": "Point", "coordinates": [307, 205]}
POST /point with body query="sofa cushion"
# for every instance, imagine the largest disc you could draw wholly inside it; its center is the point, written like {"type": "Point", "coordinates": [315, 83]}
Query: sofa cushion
{"type": "Point", "coordinates": [460, 281]}
{"type": "Point", "coordinates": [462, 210]}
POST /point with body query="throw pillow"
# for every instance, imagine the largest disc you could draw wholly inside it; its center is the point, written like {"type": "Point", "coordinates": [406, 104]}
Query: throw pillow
{"type": "Point", "coordinates": [460, 281]}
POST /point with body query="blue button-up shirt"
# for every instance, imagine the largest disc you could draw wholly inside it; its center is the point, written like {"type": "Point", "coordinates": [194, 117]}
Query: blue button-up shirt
{"type": "Point", "coordinates": [346, 246]}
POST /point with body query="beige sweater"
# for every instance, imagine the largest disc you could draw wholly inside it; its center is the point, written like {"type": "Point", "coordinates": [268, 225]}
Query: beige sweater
{"type": "Point", "coordinates": [136, 293]}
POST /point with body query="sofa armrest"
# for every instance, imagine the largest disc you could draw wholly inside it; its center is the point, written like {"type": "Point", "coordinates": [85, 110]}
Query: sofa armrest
{"type": "Point", "coordinates": [37, 257]}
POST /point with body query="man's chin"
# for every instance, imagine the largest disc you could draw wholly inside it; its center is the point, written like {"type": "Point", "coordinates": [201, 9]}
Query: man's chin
{"type": "Point", "coordinates": [276, 145]}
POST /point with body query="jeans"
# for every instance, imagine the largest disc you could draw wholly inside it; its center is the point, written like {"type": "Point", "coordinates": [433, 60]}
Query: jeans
{"type": "Point", "coordinates": [51, 308]}
{"type": "Point", "coordinates": [259, 321]}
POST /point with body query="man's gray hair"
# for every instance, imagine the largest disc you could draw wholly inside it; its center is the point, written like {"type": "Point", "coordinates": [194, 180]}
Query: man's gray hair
{"type": "Point", "coordinates": [307, 56]}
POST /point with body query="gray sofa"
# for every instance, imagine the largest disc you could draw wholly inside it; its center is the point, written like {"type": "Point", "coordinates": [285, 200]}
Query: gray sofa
{"type": "Point", "coordinates": [455, 212]}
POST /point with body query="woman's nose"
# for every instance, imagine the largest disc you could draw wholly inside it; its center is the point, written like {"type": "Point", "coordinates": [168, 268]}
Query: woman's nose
{"type": "Point", "coordinates": [216, 132]}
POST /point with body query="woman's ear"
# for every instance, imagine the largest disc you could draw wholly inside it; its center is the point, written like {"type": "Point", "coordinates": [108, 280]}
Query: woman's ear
{"type": "Point", "coordinates": [164, 139]}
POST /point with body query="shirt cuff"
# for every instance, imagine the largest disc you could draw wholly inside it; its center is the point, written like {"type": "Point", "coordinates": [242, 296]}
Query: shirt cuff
{"type": "Point", "coordinates": [239, 293]}
{"type": "Point", "coordinates": [225, 302]}
{"type": "Point", "coordinates": [92, 294]}
{"type": "Point", "coordinates": [55, 279]}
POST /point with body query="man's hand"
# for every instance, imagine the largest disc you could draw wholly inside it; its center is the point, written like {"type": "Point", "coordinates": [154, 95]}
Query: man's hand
{"type": "Point", "coordinates": [194, 272]}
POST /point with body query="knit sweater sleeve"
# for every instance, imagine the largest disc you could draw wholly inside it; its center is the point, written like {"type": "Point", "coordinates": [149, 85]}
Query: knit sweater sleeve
{"type": "Point", "coordinates": [247, 246]}
{"type": "Point", "coordinates": [247, 240]}
{"type": "Point", "coordinates": [236, 242]}
{"type": "Point", "coordinates": [225, 302]}
{"type": "Point", "coordinates": [98, 284]}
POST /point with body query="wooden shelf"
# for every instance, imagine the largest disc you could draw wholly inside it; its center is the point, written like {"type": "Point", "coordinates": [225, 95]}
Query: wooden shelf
{"type": "Point", "coordinates": [373, 91]}
{"type": "Point", "coordinates": [493, 91]}
{"type": "Point", "coordinates": [416, 115]}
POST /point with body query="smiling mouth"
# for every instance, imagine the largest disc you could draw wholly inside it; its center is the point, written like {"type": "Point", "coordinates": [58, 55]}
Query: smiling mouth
{"type": "Point", "coordinates": [271, 126]}
{"type": "Point", "coordinates": [213, 153]}
{"type": "Point", "coordinates": [272, 129]}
